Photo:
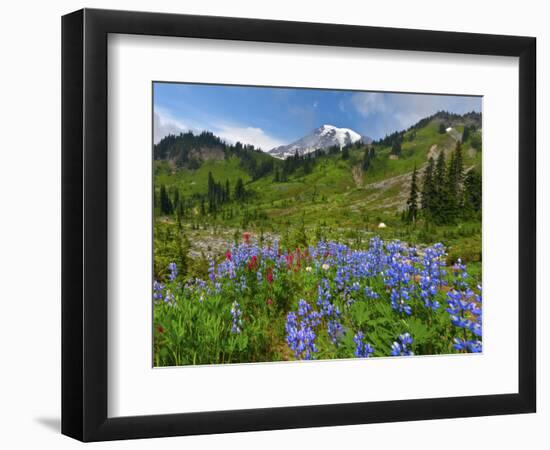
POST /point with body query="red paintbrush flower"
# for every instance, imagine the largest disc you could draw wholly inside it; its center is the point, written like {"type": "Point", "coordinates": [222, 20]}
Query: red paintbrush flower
{"type": "Point", "coordinates": [228, 255]}
{"type": "Point", "coordinates": [246, 237]}
{"type": "Point", "coordinates": [289, 259]}
{"type": "Point", "coordinates": [253, 263]}
{"type": "Point", "coordinates": [269, 302]}
{"type": "Point", "coordinates": [269, 275]}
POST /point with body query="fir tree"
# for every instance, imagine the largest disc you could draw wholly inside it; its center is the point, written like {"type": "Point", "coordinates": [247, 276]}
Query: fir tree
{"type": "Point", "coordinates": [412, 202]}
{"type": "Point", "coordinates": [428, 189]}
{"type": "Point", "coordinates": [465, 133]}
{"type": "Point", "coordinates": [472, 194]}
{"type": "Point", "coordinates": [455, 175]}
{"type": "Point", "coordinates": [176, 200]}
{"type": "Point", "coordinates": [438, 209]}
{"type": "Point", "coordinates": [165, 203]}
{"type": "Point", "coordinates": [183, 251]}
{"type": "Point", "coordinates": [366, 159]}
{"type": "Point", "coordinates": [396, 148]}
{"type": "Point", "coordinates": [227, 191]}
{"type": "Point", "coordinates": [239, 190]}
{"type": "Point", "coordinates": [458, 177]}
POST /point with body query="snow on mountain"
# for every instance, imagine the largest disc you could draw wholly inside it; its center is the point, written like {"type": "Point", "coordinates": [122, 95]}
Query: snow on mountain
{"type": "Point", "coordinates": [321, 138]}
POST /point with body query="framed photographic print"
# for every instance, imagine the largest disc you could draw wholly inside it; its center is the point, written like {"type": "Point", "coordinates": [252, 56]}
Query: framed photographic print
{"type": "Point", "coordinates": [273, 224]}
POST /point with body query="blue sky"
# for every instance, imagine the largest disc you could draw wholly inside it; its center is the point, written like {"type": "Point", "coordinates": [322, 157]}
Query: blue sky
{"type": "Point", "coordinates": [268, 117]}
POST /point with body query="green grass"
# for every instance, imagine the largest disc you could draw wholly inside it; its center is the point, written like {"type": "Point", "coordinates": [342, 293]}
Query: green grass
{"type": "Point", "coordinates": [331, 202]}
{"type": "Point", "coordinates": [191, 182]}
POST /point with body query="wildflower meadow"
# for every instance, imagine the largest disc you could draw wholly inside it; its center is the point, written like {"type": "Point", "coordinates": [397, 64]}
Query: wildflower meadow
{"type": "Point", "coordinates": [314, 232]}
{"type": "Point", "coordinates": [327, 301]}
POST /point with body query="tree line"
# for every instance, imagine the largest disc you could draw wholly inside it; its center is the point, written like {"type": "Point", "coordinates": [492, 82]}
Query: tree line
{"type": "Point", "coordinates": [447, 194]}
{"type": "Point", "coordinates": [217, 194]}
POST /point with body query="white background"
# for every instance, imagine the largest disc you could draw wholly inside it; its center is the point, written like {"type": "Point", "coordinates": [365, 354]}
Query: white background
{"type": "Point", "coordinates": [30, 237]}
{"type": "Point", "coordinates": [135, 389]}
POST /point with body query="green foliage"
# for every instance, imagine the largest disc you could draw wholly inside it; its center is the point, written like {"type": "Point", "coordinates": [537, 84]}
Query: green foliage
{"type": "Point", "coordinates": [240, 192]}
{"type": "Point", "coordinates": [446, 196]}
{"type": "Point", "coordinates": [319, 196]}
{"type": "Point", "coordinates": [428, 189]}
{"type": "Point", "coordinates": [166, 207]}
{"type": "Point", "coordinates": [196, 324]}
{"type": "Point", "coordinates": [412, 202]}
{"type": "Point", "coordinates": [396, 148]}
{"type": "Point", "coordinates": [475, 141]}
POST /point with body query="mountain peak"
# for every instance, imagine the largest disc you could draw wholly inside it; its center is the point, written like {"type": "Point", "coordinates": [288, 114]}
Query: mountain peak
{"type": "Point", "coordinates": [319, 139]}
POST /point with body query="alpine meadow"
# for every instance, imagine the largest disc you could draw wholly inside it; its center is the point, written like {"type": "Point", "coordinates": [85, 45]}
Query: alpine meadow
{"type": "Point", "coordinates": [308, 224]}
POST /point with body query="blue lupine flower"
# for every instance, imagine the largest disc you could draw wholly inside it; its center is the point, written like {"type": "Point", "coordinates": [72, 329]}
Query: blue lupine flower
{"type": "Point", "coordinates": [406, 276]}
{"type": "Point", "coordinates": [369, 293]}
{"type": "Point", "coordinates": [431, 274]}
{"type": "Point", "coordinates": [335, 330]}
{"type": "Point", "coordinates": [398, 278]}
{"type": "Point", "coordinates": [300, 331]}
{"type": "Point", "coordinates": [472, 346]}
{"type": "Point", "coordinates": [330, 311]}
{"type": "Point", "coordinates": [475, 346]}
{"type": "Point", "coordinates": [465, 311]}
{"type": "Point", "coordinates": [236, 321]}
{"type": "Point", "coordinates": [362, 349]}
{"type": "Point", "coordinates": [169, 297]}
{"type": "Point", "coordinates": [259, 276]}
{"type": "Point", "coordinates": [173, 271]}
{"type": "Point", "coordinates": [401, 346]}
{"type": "Point", "coordinates": [157, 290]}
{"type": "Point", "coordinates": [212, 271]}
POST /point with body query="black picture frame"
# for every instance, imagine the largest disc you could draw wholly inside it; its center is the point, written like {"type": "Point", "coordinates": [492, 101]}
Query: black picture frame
{"type": "Point", "coordinates": [84, 224]}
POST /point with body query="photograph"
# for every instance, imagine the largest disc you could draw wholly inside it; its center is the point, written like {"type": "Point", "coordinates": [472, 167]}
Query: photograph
{"type": "Point", "coordinates": [311, 224]}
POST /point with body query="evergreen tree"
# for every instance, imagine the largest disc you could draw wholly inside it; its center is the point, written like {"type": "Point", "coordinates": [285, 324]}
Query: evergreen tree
{"type": "Point", "coordinates": [475, 141]}
{"type": "Point", "coordinates": [412, 202]}
{"type": "Point", "coordinates": [455, 175]}
{"type": "Point", "coordinates": [175, 203]}
{"type": "Point", "coordinates": [345, 153]}
{"type": "Point", "coordinates": [428, 189]}
{"type": "Point", "coordinates": [372, 153]}
{"type": "Point", "coordinates": [465, 133]}
{"type": "Point", "coordinates": [165, 203]}
{"type": "Point", "coordinates": [183, 252]}
{"type": "Point", "coordinates": [450, 204]}
{"type": "Point", "coordinates": [458, 177]}
{"type": "Point", "coordinates": [438, 209]}
{"type": "Point", "coordinates": [181, 210]}
{"type": "Point", "coordinates": [239, 190]}
{"type": "Point", "coordinates": [459, 164]}
{"type": "Point", "coordinates": [442, 128]}
{"type": "Point", "coordinates": [366, 159]}
{"type": "Point", "coordinates": [227, 191]}
{"type": "Point", "coordinates": [396, 148]}
{"type": "Point", "coordinates": [472, 194]}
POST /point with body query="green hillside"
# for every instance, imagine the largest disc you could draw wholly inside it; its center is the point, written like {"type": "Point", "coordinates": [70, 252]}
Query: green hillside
{"type": "Point", "coordinates": [339, 194]}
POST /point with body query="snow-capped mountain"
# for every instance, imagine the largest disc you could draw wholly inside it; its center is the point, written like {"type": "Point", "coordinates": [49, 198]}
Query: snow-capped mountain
{"type": "Point", "coordinates": [321, 138]}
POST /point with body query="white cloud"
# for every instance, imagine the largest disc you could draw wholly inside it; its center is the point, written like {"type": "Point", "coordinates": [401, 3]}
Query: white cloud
{"type": "Point", "coordinates": [248, 135]}
{"type": "Point", "coordinates": [165, 123]}
{"type": "Point", "coordinates": [368, 103]}
{"type": "Point", "coordinates": [388, 112]}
